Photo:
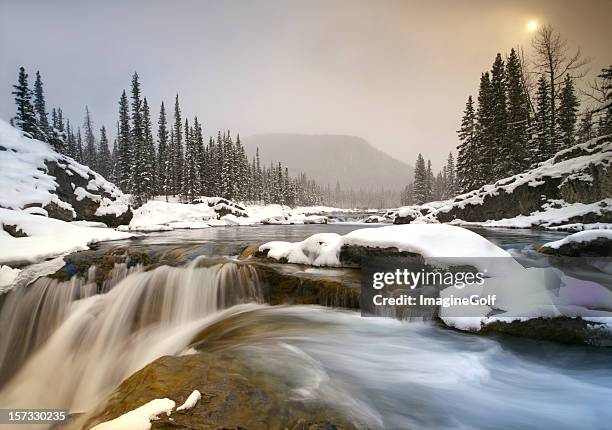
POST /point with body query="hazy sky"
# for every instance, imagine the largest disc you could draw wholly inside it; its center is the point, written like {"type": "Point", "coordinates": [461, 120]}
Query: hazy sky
{"type": "Point", "coordinates": [396, 73]}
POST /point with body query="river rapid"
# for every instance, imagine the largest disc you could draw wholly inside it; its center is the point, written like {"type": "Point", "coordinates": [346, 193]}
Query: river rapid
{"type": "Point", "coordinates": [69, 345]}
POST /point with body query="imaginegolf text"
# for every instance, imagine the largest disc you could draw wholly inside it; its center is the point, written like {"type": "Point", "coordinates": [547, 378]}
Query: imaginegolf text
{"type": "Point", "coordinates": [445, 302]}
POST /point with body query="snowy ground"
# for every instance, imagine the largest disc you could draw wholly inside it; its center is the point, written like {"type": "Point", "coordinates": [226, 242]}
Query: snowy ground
{"type": "Point", "coordinates": [46, 237]}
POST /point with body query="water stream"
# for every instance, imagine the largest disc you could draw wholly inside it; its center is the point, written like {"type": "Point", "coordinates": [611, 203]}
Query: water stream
{"type": "Point", "coordinates": [69, 344]}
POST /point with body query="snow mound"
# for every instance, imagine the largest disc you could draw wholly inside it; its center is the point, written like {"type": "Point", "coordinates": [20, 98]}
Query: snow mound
{"type": "Point", "coordinates": [191, 401]}
{"type": "Point", "coordinates": [37, 179]}
{"type": "Point", "coordinates": [432, 241]}
{"type": "Point", "coordinates": [26, 238]}
{"type": "Point", "coordinates": [139, 418]}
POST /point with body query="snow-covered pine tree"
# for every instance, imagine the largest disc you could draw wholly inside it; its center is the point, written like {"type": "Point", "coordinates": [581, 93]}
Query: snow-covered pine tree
{"type": "Point", "coordinates": [420, 181]}
{"type": "Point", "coordinates": [500, 148]}
{"type": "Point", "coordinates": [466, 156]}
{"type": "Point", "coordinates": [451, 177]}
{"type": "Point", "coordinates": [586, 130]}
{"type": "Point", "coordinates": [200, 155]}
{"type": "Point", "coordinates": [518, 116]}
{"type": "Point", "coordinates": [104, 160]}
{"type": "Point", "coordinates": [190, 177]}
{"type": "Point", "coordinates": [114, 178]}
{"type": "Point", "coordinates": [483, 162]}
{"type": "Point", "coordinates": [89, 150]}
{"type": "Point", "coordinates": [25, 119]}
{"type": "Point", "coordinates": [79, 146]}
{"type": "Point", "coordinates": [58, 135]}
{"type": "Point", "coordinates": [543, 145]}
{"type": "Point", "coordinates": [71, 145]}
{"type": "Point", "coordinates": [149, 149]}
{"type": "Point", "coordinates": [124, 145]}
{"type": "Point", "coordinates": [162, 153]}
{"type": "Point", "coordinates": [176, 153]}
{"type": "Point", "coordinates": [605, 111]}
{"type": "Point", "coordinates": [567, 114]}
{"type": "Point", "coordinates": [43, 131]}
{"type": "Point", "coordinates": [140, 182]}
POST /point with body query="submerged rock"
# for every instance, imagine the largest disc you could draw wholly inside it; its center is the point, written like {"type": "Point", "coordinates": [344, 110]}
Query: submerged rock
{"type": "Point", "coordinates": [234, 396]}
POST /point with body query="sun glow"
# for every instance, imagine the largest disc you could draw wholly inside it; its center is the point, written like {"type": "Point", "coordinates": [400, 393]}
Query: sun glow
{"type": "Point", "coordinates": [532, 26]}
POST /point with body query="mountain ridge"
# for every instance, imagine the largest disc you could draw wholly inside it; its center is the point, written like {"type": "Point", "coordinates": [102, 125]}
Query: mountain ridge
{"type": "Point", "coordinates": [331, 158]}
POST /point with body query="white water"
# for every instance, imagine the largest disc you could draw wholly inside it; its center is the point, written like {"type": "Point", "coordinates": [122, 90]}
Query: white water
{"type": "Point", "coordinates": [381, 372]}
{"type": "Point", "coordinates": [104, 338]}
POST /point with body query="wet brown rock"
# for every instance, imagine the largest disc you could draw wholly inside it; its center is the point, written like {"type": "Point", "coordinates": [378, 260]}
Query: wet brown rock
{"type": "Point", "coordinates": [234, 396]}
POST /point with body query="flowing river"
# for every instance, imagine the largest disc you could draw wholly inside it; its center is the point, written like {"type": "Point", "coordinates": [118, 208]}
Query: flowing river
{"type": "Point", "coordinates": [69, 345]}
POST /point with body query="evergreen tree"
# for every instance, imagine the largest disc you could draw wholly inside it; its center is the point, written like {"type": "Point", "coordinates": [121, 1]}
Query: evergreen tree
{"type": "Point", "coordinates": [543, 145]}
{"type": "Point", "coordinates": [79, 146]}
{"type": "Point", "coordinates": [585, 130]}
{"type": "Point", "coordinates": [605, 124]}
{"type": "Point", "coordinates": [500, 149]}
{"type": "Point", "coordinates": [567, 115]}
{"type": "Point", "coordinates": [114, 177]}
{"type": "Point", "coordinates": [429, 182]}
{"type": "Point", "coordinates": [89, 151]}
{"type": "Point", "coordinates": [58, 135]}
{"type": "Point", "coordinates": [149, 149]}
{"type": "Point", "coordinates": [176, 153]}
{"type": "Point", "coordinates": [124, 144]}
{"type": "Point", "coordinates": [518, 117]}
{"type": "Point", "coordinates": [71, 144]}
{"type": "Point", "coordinates": [467, 150]}
{"type": "Point", "coordinates": [104, 158]}
{"type": "Point", "coordinates": [450, 177]}
{"type": "Point", "coordinates": [162, 152]}
{"type": "Point", "coordinates": [43, 131]}
{"type": "Point", "coordinates": [25, 119]}
{"type": "Point", "coordinates": [420, 181]}
{"type": "Point", "coordinates": [139, 179]}
{"type": "Point", "coordinates": [485, 152]}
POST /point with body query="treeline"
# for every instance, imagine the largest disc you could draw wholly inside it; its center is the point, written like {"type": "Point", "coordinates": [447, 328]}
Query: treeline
{"type": "Point", "coordinates": [527, 110]}
{"type": "Point", "coordinates": [428, 187]}
{"type": "Point", "coordinates": [179, 161]}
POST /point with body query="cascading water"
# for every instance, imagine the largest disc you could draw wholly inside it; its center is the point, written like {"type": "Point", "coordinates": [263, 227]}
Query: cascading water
{"type": "Point", "coordinates": [85, 343]}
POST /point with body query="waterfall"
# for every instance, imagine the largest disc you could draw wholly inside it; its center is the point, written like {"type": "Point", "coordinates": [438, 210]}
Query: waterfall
{"type": "Point", "coordinates": [84, 344]}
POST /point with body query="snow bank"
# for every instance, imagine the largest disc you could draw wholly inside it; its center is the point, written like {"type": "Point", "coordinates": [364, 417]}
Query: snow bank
{"type": "Point", "coordinates": [26, 180]}
{"type": "Point", "coordinates": [139, 418]}
{"type": "Point", "coordinates": [580, 237]}
{"type": "Point", "coordinates": [7, 276]}
{"type": "Point", "coordinates": [46, 237]}
{"type": "Point", "coordinates": [549, 217]}
{"type": "Point", "coordinates": [191, 401]}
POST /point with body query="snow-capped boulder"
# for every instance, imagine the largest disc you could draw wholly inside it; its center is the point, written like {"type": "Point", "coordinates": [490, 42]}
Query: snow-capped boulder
{"type": "Point", "coordinates": [43, 182]}
{"type": "Point", "coordinates": [223, 206]}
{"type": "Point", "coordinates": [588, 243]}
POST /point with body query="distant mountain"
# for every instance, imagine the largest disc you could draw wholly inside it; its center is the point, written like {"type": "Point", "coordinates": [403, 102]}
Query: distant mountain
{"type": "Point", "coordinates": [349, 160]}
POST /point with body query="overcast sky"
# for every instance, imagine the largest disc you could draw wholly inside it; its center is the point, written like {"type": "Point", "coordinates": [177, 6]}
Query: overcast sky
{"type": "Point", "coordinates": [396, 73]}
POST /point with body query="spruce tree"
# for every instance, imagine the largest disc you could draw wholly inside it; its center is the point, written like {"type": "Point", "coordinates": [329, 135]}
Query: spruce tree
{"type": "Point", "coordinates": [124, 145]}
{"type": "Point", "coordinates": [89, 151]}
{"type": "Point", "coordinates": [43, 131]}
{"type": "Point", "coordinates": [71, 144]}
{"type": "Point", "coordinates": [567, 114]}
{"type": "Point", "coordinates": [162, 152]}
{"type": "Point", "coordinates": [104, 159]}
{"type": "Point", "coordinates": [140, 182]}
{"type": "Point", "coordinates": [176, 153]}
{"type": "Point", "coordinates": [500, 148]}
{"type": "Point", "coordinates": [25, 119]}
{"type": "Point", "coordinates": [543, 145]}
{"type": "Point", "coordinates": [420, 181]}
{"type": "Point", "coordinates": [518, 117]}
{"type": "Point", "coordinates": [149, 150]}
{"type": "Point", "coordinates": [79, 146]}
{"type": "Point", "coordinates": [450, 176]}
{"type": "Point", "coordinates": [585, 130]}
{"type": "Point", "coordinates": [485, 154]}
{"type": "Point", "coordinates": [467, 150]}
